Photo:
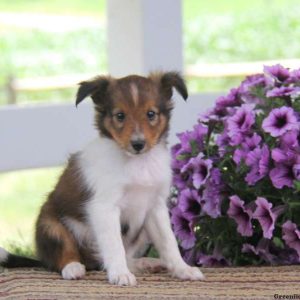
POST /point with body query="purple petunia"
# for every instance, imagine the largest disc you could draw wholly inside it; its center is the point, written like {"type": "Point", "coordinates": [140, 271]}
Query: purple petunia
{"type": "Point", "coordinates": [286, 169]}
{"type": "Point", "coordinates": [283, 91]}
{"type": "Point", "coordinates": [196, 135]}
{"type": "Point", "coordinates": [183, 228]}
{"type": "Point", "coordinates": [189, 203]}
{"type": "Point", "coordinates": [258, 161]}
{"type": "Point", "coordinates": [212, 198]}
{"type": "Point", "coordinates": [241, 215]}
{"type": "Point", "coordinates": [282, 176]}
{"type": "Point", "coordinates": [266, 215]}
{"type": "Point", "coordinates": [248, 86]}
{"type": "Point", "coordinates": [262, 250]}
{"type": "Point", "coordinates": [280, 120]}
{"type": "Point", "coordinates": [240, 123]}
{"type": "Point", "coordinates": [214, 260]}
{"type": "Point", "coordinates": [291, 236]}
{"type": "Point", "coordinates": [247, 146]}
{"type": "Point", "coordinates": [290, 141]}
{"type": "Point", "coordinates": [231, 100]}
{"type": "Point", "coordinates": [276, 75]}
{"type": "Point", "coordinates": [198, 169]}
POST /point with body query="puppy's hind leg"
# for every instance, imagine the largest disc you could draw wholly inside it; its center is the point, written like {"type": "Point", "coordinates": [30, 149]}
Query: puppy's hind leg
{"type": "Point", "coordinates": [57, 248]}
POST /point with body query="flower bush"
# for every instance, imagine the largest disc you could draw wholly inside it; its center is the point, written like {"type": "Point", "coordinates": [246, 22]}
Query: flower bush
{"type": "Point", "coordinates": [236, 176]}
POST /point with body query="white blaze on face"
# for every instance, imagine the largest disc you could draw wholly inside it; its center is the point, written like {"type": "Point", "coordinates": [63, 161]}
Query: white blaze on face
{"type": "Point", "coordinates": [137, 134]}
{"type": "Point", "coordinates": [135, 94]}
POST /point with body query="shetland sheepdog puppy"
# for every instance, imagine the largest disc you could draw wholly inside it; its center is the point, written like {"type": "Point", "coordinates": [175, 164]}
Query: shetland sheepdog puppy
{"type": "Point", "coordinates": [110, 203]}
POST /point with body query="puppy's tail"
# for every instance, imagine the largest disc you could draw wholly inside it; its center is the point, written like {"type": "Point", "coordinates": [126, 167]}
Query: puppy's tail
{"type": "Point", "coordinates": [8, 260]}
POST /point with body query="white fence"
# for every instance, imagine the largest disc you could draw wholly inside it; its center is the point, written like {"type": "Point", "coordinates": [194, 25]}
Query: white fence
{"type": "Point", "coordinates": [45, 135]}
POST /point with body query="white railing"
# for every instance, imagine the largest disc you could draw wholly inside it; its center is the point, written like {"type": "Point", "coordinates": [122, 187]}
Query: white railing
{"type": "Point", "coordinates": [45, 135]}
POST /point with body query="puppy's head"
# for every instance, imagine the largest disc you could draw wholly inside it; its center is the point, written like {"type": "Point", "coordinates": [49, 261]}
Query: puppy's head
{"type": "Point", "coordinates": [133, 110]}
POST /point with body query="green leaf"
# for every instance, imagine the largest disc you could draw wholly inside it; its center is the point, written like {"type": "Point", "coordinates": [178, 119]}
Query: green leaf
{"type": "Point", "coordinates": [195, 147]}
{"type": "Point", "coordinates": [297, 185]}
{"type": "Point", "coordinates": [278, 242]}
{"type": "Point", "coordinates": [182, 156]}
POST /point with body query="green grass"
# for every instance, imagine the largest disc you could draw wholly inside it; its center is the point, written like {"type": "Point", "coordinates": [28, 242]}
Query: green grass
{"type": "Point", "coordinates": [21, 195]}
{"type": "Point", "coordinates": [214, 31]}
{"type": "Point", "coordinates": [68, 7]}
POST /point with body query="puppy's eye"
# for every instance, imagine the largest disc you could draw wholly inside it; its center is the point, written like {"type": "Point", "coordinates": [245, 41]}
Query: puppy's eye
{"type": "Point", "coordinates": [151, 115]}
{"type": "Point", "coordinates": [120, 116]}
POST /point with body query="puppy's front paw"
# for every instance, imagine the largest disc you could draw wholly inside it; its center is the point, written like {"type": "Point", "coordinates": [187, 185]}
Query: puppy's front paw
{"type": "Point", "coordinates": [73, 270]}
{"type": "Point", "coordinates": [122, 279]}
{"type": "Point", "coordinates": [188, 273]}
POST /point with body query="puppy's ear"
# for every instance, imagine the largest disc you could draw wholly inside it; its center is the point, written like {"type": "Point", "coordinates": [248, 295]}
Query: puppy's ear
{"type": "Point", "coordinates": [169, 80]}
{"type": "Point", "coordinates": [96, 88]}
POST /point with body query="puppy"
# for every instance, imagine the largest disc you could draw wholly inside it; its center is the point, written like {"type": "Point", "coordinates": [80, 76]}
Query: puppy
{"type": "Point", "coordinates": [110, 203]}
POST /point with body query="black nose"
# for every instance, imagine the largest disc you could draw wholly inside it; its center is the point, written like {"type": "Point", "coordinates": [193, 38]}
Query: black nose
{"type": "Point", "coordinates": [138, 145]}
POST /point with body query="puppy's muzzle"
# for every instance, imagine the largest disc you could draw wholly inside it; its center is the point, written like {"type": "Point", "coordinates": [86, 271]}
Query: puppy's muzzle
{"type": "Point", "coordinates": [138, 145]}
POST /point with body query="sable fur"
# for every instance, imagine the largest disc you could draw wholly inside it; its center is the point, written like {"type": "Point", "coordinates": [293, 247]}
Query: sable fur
{"type": "Point", "coordinates": [110, 202]}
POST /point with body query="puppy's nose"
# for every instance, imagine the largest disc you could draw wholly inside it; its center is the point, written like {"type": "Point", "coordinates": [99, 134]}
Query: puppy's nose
{"type": "Point", "coordinates": [138, 145]}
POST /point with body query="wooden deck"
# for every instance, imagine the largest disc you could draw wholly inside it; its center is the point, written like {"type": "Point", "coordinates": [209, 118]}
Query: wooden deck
{"type": "Point", "coordinates": [221, 283]}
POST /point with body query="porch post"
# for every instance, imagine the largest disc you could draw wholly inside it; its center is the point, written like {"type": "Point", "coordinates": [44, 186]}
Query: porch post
{"type": "Point", "coordinates": [143, 36]}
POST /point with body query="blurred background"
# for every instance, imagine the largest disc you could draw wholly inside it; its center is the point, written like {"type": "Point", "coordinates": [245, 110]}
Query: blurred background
{"type": "Point", "coordinates": [46, 46]}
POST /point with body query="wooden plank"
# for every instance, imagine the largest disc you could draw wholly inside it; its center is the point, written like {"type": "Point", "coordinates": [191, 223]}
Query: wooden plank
{"type": "Point", "coordinates": [199, 71]}
{"type": "Point", "coordinates": [236, 69]}
{"type": "Point", "coordinates": [42, 136]}
{"type": "Point", "coordinates": [49, 83]}
{"type": "Point", "coordinates": [45, 135]}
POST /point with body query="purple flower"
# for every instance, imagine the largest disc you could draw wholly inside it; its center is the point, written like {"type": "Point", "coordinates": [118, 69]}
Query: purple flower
{"type": "Point", "coordinates": [286, 168]}
{"type": "Point", "coordinates": [191, 256]}
{"type": "Point", "coordinates": [285, 155]}
{"type": "Point", "coordinates": [291, 236]}
{"type": "Point", "coordinates": [231, 100]}
{"type": "Point", "coordinates": [240, 123]}
{"type": "Point", "coordinates": [185, 179]}
{"type": "Point", "coordinates": [196, 136]}
{"type": "Point", "coordinates": [262, 250]}
{"type": "Point", "coordinates": [287, 256]}
{"type": "Point", "coordinates": [199, 169]}
{"type": "Point", "coordinates": [241, 215]}
{"type": "Point", "coordinates": [266, 216]}
{"type": "Point", "coordinates": [282, 175]}
{"type": "Point", "coordinates": [214, 260]}
{"type": "Point", "coordinates": [276, 74]}
{"type": "Point", "coordinates": [287, 161]}
{"type": "Point", "coordinates": [280, 120]}
{"type": "Point", "coordinates": [294, 76]}
{"type": "Point", "coordinates": [189, 203]}
{"type": "Point", "coordinates": [211, 200]}
{"type": "Point", "coordinates": [185, 139]}
{"type": "Point", "coordinates": [179, 179]}
{"type": "Point", "coordinates": [183, 228]}
{"type": "Point", "coordinates": [247, 86]}
{"type": "Point", "coordinates": [248, 145]}
{"type": "Point", "coordinates": [222, 141]}
{"type": "Point", "coordinates": [258, 161]}
{"type": "Point", "coordinates": [296, 171]}
{"type": "Point", "coordinates": [283, 91]}
{"type": "Point", "coordinates": [290, 140]}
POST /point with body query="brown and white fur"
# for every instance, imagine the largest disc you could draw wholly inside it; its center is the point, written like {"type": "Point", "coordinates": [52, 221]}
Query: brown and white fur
{"type": "Point", "coordinates": [110, 203]}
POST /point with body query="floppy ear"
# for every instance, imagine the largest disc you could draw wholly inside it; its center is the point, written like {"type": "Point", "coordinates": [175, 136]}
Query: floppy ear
{"type": "Point", "coordinates": [169, 80]}
{"type": "Point", "coordinates": [96, 88]}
